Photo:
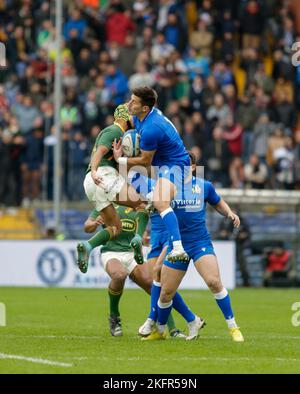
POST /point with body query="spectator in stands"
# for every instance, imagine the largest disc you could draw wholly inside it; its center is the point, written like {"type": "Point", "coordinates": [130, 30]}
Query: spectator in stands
{"type": "Point", "coordinates": [127, 55]}
{"type": "Point", "coordinates": [32, 166]}
{"type": "Point", "coordinates": [116, 84]}
{"type": "Point", "coordinates": [218, 158]}
{"type": "Point", "coordinates": [175, 33]}
{"type": "Point", "coordinates": [141, 78]}
{"type": "Point", "coordinates": [252, 22]}
{"type": "Point", "coordinates": [219, 111]}
{"type": "Point", "coordinates": [284, 165]}
{"type": "Point", "coordinates": [284, 111]}
{"type": "Point", "coordinates": [256, 173]}
{"type": "Point", "coordinates": [26, 114]}
{"type": "Point", "coordinates": [263, 80]}
{"type": "Point", "coordinates": [262, 131]}
{"type": "Point", "coordinates": [78, 160]}
{"type": "Point", "coordinates": [278, 264]}
{"type": "Point", "coordinates": [242, 238]}
{"type": "Point", "coordinates": [233, 135]}
{"type": "Point", "coordinates": [118, 24]}
{"type": "Point", "coordinates": [202, 39]}
{"type": "Point", "coordinates": [76, 22]}
{"type": "Point", "coordinates": [236, 173]}
{"type": "Point", "coordinates": [246, 116]}
{"type": "Point", "coordinates": [275, 141]}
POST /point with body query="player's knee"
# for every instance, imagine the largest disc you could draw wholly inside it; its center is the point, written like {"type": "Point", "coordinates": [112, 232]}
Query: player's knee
{"type": "Point", "coordinates": [214, 284]}
{"type": "Point", "coordinates": [166, 295]}
{"type": "Point", "coordinates": [119, 276]}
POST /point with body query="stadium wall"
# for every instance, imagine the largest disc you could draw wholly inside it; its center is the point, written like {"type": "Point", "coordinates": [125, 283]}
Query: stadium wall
{"type": "Point", "coordinates": [53, 264]}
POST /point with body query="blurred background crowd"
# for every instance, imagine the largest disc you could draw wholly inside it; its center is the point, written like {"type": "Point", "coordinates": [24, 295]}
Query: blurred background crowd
{"type": "Point", "coordinates": [222, 69]}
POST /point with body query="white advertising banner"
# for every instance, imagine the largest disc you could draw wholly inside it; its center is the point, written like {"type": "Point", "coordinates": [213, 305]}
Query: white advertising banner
{"type": "Point", "coordinates": [53, 263]}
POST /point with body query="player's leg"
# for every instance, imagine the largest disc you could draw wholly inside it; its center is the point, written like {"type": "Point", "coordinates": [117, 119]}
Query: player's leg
{"type": "Point", "coordinates": [129, 197]}
{"type": "Point", "coordinates": [141, 277]}
{"type": "Point", "coordinates": [142, 219]}
{"type": "Point", "coordinates": [146, 328]}
{"type": "Point", "coordinates": [163, 193]}
{"type": "Point", "coordinates": [112, 230]}
{"type": "Point", "coordinates": [171, 277]}
{"type": "Point", "coordinates": [154, 268]}
{"type": "Point", "coordinates": [118, 276]}
{"type": "Point", "coordinates": [208, 268]}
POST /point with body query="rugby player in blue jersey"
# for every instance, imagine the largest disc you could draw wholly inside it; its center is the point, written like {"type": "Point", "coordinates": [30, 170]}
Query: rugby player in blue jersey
{"type": "Point", "coordinates": [159, 241]}
{"type": "Point", "coordinates": [190, 211]}
{"type": "Point", "coordinates": [162, 148]}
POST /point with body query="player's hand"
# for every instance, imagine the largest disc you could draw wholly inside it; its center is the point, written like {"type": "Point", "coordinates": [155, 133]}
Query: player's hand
{"type": "Point", "coordinates": [117, 148]}
{"type": "Point", "coordinates": [235, 219]}
{"type": "Point", "coordinates": [99, 221]}
{"type": "Point", "coordinates": [97, 179]}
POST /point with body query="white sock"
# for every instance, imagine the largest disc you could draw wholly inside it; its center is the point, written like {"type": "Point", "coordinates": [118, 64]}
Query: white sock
{"type": "Point", "coordinates": [223, 293]}
{"type": "Point", "coordinates": [177, 245]}
{"type": "Point", "coordinates": [164, 305]}
{"type": "Point", "coordinates": [161, 328]}
{"type": "Point", "coordinates": [231, 323]}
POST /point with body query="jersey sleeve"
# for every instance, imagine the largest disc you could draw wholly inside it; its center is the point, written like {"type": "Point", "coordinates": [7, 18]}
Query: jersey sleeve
{"type": "Point", "coordinates": [94, 214]}
{"type": "Point", "coordinates": [211, 196]}
{"type": "Point", "coordinates": [107, 139]}
{"type": "Point", "coordinates": [149, 138]}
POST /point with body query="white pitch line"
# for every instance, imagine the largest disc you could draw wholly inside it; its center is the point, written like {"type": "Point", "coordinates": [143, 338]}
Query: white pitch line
{"type": "Point", "coordinates": [34, 360]}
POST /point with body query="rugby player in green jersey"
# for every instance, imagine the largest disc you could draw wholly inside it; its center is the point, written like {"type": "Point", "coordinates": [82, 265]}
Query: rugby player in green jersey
{"type": "Point", "coordinates": [103, 185]}
{"type": "Point", "coordinates": [118, 260]}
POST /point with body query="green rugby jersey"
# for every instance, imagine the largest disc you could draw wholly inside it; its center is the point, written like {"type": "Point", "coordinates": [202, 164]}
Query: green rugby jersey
{"type": "Point", "coordinates": [129, 226]}
{"type": "Point", "coordinates": [106, 137]}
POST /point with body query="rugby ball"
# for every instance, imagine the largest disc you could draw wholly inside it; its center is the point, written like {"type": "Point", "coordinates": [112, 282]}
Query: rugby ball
{"type": "Point", "coordinates": [131, 143]}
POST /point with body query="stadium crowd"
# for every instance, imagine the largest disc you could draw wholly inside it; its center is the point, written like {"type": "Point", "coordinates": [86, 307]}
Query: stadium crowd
{"type": "Point", "coordinates": [222, 69]}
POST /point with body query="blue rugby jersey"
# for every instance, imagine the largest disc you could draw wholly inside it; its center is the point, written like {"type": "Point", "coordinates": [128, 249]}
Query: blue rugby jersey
{"type": "Point", "coordinates": [158, 133]}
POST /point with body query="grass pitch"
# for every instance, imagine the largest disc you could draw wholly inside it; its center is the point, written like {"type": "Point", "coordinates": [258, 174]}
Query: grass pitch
{"type": "Point", "coordinates": [66, 331]}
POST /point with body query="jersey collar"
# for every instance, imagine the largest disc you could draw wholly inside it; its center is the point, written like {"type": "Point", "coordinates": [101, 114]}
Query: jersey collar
{"type": "Point", "coordinates": [117, 124]}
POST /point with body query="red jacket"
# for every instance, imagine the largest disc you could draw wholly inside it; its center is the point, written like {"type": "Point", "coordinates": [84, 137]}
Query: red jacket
{"type": "Point", "coordinates": [117, 26]}
{"type": "Point", "coordinates": [277, 263]}
{"type": "Point", "coordinates": [234, 138]}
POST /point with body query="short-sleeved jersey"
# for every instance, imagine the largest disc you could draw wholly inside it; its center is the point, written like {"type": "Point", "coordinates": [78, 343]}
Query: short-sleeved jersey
{"type": "Point", "coordinates": [106, 138]}
{"type": "Point", "coordinates": [129, 226]}
{"type": "Point", "coordinates": [189, 206]}
{"type": "Point", "coordinates": [158, 133]}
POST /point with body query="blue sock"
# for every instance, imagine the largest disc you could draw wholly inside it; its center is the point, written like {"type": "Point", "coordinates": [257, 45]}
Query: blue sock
{"type": "Point", "coordinates": [223, 300]}
{"type": "Point", "coordinates": [163, 312]}
{"type": "Point", "coordinates": [155, 293]}
{"type": "Point", "coordinates": [182, 308]}
{"type": "Point", "coordinates": [170, 220]}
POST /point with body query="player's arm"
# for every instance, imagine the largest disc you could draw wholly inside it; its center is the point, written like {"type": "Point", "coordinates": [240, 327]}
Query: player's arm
{"type": "Point", "coordinates": [95, 161]}
{"type": "Point", "coordinates": [145, 158]}
{"type": "Point", "coordinates": [91, 224]}
{"type": "Point", "coordinates": [224, 209]}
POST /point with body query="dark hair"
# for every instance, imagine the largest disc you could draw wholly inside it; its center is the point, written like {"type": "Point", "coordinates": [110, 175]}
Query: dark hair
{"type": "Point", "coordinates": [192, 157]}
{"type": "Point", "coordinates": [147, 95]}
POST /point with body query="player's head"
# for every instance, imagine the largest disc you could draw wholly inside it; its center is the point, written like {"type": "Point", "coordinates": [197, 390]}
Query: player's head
{"type": "Point", "coordinates": [122, 116]}
{"type": "Point", "coordinates": [143, 99]}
